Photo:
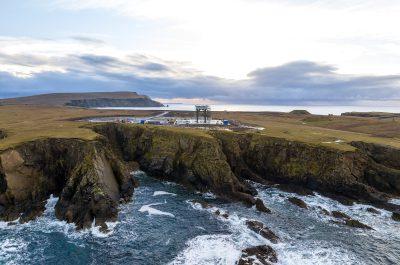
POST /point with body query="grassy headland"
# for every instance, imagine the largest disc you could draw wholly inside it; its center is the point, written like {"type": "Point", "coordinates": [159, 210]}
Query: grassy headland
{"type": "Point", "coordinates": [22, 123]}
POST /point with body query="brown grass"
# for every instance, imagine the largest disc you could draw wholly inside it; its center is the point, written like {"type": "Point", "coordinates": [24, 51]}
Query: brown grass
{"type": "Point", "coordinates": [321, 130]}
{"type": "Point", "coordinates": [26, 123]}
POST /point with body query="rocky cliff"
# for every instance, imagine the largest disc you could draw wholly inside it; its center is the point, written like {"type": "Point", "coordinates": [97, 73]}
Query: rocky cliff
{"type": "Point", "coordinates": [89, 181]}
{"type": "Point", "coordinates": [114, 102]}
{"type": "Point", "coordinates": [88, 100]}
{"type": "Point", "coordinates": [91, 177]}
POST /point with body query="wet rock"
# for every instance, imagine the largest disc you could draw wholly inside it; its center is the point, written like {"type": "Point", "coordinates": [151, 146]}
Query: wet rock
{"type": "Point", "coordinates": [357, 224]}
{"type": "Point", "coordinates": [323, 211]}
{"type": "Point", "coordinates": [261, 207]}
{"type": "Point", "coordinates": [373, 210]}
{"type": "Point", "coordinates": [203, 204]}
{"type": "Point", "coordinates": [298, 202]}
{"type": "Point", "coordinates": [217, 212]}
{"type": "Point", "coordinates": [396, 216]}
{"type": "Point", "coordinates": [340, 215]}
{"type": "Point", "coordinates": [299, 190]}
{"type": "Point", "coordinates": [262, 230]}
{"type": "Point", "coordinates": [258, 255]}
{"type": "Point", "coordinates": [225, 215]}
{"type": "Point", "coordinates": [104, 228]}
{"type": "Point", "coordinates": [349, 221]}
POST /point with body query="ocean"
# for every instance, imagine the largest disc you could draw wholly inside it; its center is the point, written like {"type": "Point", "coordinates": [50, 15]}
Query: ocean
{"type": "Point", "coordinates": [320, 110]}
{"type": "Point", "coordinates": [163, 226]}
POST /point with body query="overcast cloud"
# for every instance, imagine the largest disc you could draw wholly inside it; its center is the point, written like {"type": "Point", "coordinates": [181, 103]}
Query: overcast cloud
{"type": "Point", "coordinates": [296, 82]}
{"type": "Point", "coordinates": [238, 51]}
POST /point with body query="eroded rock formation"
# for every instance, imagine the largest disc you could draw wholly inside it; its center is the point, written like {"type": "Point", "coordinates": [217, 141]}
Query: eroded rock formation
{"type": "Point", "coordinates": [89, 181]}
{"type": "Point", "coordinates": [91, 177]}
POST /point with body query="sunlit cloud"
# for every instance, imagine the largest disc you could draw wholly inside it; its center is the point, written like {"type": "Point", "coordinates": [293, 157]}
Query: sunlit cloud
{"type": "Point", "coordinates": [214, 35]}
{"type": "Point", "coordinates": [84, 67]}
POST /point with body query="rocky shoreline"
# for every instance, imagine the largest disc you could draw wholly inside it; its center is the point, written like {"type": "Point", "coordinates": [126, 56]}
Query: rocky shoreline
{"type": "Point", "coordinates": [91, 178]}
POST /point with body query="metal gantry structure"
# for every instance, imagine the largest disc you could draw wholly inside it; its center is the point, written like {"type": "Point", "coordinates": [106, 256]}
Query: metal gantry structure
{"type": "Point", "coordinates": [204, 111]}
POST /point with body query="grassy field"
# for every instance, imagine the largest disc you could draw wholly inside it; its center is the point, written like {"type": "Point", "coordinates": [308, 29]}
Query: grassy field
{"type": "Point", "coordinates": [334, 131]}
{"type": "Point", "coordinates": [23, 123]}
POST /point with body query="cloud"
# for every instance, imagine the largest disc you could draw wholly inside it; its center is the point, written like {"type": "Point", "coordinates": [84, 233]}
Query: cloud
{"type": "Point", "coordinates": [298, 82]}
{"type": "Point", "coordinates": [358, 36]}
{"type": "Point", "coordinates": [305, 81]}
{"type": "Point", "coordinates": [88, 40]}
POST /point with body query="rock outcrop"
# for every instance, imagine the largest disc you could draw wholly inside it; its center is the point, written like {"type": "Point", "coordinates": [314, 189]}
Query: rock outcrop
{"type": "Point", "coordinates": [298, 202]}
{"type": "Point", "coordinates": [188, 157]}
{"type": "Point", "coordinates": [355, 175]}
{"type": "Point", "coordinates": [88, 179]}
{"type": "Point", "coordinates": [396, 216]}
{"type": "Point", "coordinates": [114, 102]}
{"type": "Point", "coordinates": [258, 255]}
{"type": "Point", "coordinates": [3, 134]}
{"type": "Point", "coordinates": [262, 230]}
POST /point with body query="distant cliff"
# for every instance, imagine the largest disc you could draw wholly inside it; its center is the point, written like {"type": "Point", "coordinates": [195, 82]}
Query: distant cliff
{"type": "Point", "coordinates": [86, 100]}
{"type": "Point", "coordinates": [114, 102]}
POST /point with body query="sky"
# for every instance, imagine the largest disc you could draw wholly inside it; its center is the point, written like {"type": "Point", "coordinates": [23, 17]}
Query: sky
{"type": "Point", "coordinates": [229, 51]}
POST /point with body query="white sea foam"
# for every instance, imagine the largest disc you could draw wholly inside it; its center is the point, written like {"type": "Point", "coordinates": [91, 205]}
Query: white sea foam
{"type": "Point", "coordinates": [12, 250]}
{"type": "Point", "coordinates": [137, 172]}
{"type": "Point", "coordinates": [152, 211]}
{"type": "Point", "coordinates": [395, 201]}
{"type": "Point", "coordinates": [314, 254]}
{"type": "Point", "coordinates": [96, 230]}
{"type": "Point", "coordinates": [290, 250]}
{"type": "Point", "coordinates": [209, 195]}
{"type": "Point", "coordinates": [209, 249]}
{"type": "Point", "coordinates": [161, 193]}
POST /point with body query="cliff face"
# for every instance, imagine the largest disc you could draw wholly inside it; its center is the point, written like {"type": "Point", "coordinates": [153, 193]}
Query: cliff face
{"type": "Point", "coordinates": [91, 177]}
{"type": "Point", "coordinates": [223, 161]}
{"type": "Point", "coordinates": [89, 181]}
{"type": "Point", "coordinates": [91, 99]}
{"type": "Point", "coordinates": [195, 160]}
{"type": "Point", "coordinates": [114, 102]}
{"type": "Point", "coordinates": [356, 175]}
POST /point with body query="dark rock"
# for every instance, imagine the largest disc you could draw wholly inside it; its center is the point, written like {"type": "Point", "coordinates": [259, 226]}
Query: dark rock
{"type": "Point", "coordinates": [204, 204]}
{"type": "Point", "coordinates": [261, 207]}
{"type": "Point", "coordinates": [114, 102]}
{"type": "Point", "coordinates": [2, 134]}
{"type": "Point", "coordinates": [88, 179]}
{"type": "Point", "coordinates": [298, 202]}
{"type": "Point", "coordinates": [340, 215]}
{"type": "Point", "coordinates": [297, 189]}
{"type": "Point", "coordinates": [225, 215]}
{"type": "Point", "coordinates": [396, 216]}
{"type": "Point", "coordinates": [373, 210]}
{"type": "Point", "coordinates": [217, 212]}
{"type": "Point", "coordinates": [356, 224]}
{"type": "Point", "coordinates": [258, 255]}
{"type": "Point", "coordinates": [349, 221]}
{"type": "Point", "coordinates": [323, 211]}
{"type": "Point", "coordinates": [262, 230]}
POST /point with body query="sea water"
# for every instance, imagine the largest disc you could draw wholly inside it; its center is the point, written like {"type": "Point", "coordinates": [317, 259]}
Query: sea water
{"type": "Point", "coordinates": [313, 109]}
{"type": "Point", "coordinates": [163, 226]}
